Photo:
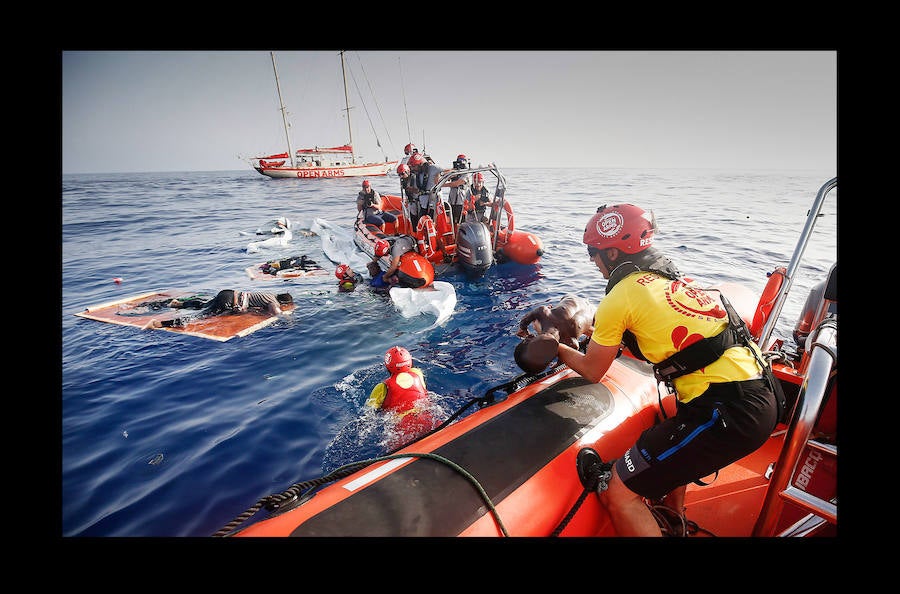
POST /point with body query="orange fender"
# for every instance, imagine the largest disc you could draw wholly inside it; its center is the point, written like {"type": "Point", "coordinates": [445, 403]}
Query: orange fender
{"type": "Point", "coordinates": [520, 246]}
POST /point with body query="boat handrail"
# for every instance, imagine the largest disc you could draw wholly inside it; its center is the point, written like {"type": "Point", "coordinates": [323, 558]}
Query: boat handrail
{"type": "Point", "coordinates": [454, 173]}
{"type": "Point", "coordinates": [794, 264]}
{"type": "Point", "coordinates": [499, 190]}
{"type": "Point", "coordinates": [810, 400]}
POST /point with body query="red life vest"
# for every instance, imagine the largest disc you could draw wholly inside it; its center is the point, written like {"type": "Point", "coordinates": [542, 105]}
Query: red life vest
{"type": "Point", "coordinates": [400, 399]}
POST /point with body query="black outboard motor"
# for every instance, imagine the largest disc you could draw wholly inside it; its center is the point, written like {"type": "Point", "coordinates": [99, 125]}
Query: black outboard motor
{"type": "Point", "coordinates": [474, 251]}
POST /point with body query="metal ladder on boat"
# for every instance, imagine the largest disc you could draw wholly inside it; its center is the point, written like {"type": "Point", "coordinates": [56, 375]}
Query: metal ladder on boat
{"type": "Point", "coordinates": [814, 389]}
{"type": "Point", "coordinates": [810, 400]}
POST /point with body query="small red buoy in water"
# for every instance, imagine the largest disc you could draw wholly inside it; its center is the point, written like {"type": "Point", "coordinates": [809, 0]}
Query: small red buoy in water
{"type": "Point", "coordinates": [118, 280]}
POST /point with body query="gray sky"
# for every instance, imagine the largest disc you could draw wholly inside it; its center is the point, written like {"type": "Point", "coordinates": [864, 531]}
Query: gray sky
{"type": "Point", "coordinates": [130, 111]}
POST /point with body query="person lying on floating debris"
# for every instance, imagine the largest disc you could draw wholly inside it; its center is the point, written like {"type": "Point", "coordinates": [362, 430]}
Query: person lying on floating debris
{"type": "Point", "coordinates": [303, 263]}
{"type": "Point", "coordinates": [225, 301]}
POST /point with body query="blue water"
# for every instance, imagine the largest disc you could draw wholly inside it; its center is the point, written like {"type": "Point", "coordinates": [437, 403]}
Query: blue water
{"type": "Point", "coordinates": [172, 435]}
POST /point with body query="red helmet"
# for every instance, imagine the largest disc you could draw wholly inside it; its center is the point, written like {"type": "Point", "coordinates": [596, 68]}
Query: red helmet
{"type": "Point", "coordinates": [366, 183]}
{"type": "Point", "coordinates": [478, 177]}
{"type": "Point", "coordinates": [415, 159]}
{"type": "Point", "coordinates": [409, 149]}
{"type": "Point", "coordinates": [397, 359]}
{"type": "Point", "coordinates": [382, 247]}
{"type": "Point", "coordinates": [402, 168]}
{"type": "Point", "coordinates": [343, 271]}
{"type": "Point", "coordinates": [623, 226]}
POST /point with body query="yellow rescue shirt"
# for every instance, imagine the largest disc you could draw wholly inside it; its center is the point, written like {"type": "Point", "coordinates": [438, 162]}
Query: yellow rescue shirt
{"type": "Point", "coordinates": [667, 316]}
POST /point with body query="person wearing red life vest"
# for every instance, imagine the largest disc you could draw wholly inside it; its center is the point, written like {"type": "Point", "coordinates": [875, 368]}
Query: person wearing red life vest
{"type": "Point", "coordinates": [403, 393]}
{"type": "Point", "coordinates": [347, 279]}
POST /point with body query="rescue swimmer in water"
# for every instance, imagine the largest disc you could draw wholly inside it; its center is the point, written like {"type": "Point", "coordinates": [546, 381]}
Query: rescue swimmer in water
{"type": "Point", "coordinates": [347, 279]}
{"type": "Point", "coordinates": [404, 393]}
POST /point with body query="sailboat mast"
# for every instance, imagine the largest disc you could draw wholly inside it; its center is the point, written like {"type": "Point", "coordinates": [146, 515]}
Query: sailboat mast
{"type": "Point", "coordinates": [283, 112]}
{"type": "Point", "coordinates": [347, 103]}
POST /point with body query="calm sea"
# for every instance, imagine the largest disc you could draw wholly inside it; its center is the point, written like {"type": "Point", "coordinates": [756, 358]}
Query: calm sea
{"type": "Point", "coordinates": [171, 435]}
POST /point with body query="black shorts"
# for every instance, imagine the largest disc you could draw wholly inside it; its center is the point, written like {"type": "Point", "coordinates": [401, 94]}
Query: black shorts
{"type": "Point", "coordinates": [722, 425]}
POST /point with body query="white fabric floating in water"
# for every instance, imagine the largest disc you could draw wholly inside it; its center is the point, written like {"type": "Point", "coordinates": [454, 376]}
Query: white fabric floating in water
{"type": "Point", "coordinates": [339, 246]}
{"type": "Point", "coordinates": [439, 300]}
{"type": "Point", "coordinates": [274, 227]}
{"type": "Point", "coordinates": [280, 240]}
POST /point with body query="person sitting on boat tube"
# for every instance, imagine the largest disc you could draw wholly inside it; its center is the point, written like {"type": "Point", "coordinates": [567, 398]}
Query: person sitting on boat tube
{"type": "Point", "coordinates": [347, 279]}
{"type": "Point", "coordinates": [403, 393]}
{"type": "Point", "coordinates": [369, 202]}
{"type": "Point", "coordinates": [726, 403]}
{"type": "Point", "coordinates": [225, 301]}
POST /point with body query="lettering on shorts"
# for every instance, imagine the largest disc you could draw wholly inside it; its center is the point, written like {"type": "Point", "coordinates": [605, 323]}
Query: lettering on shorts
{"type": "Point", "coordinates": [628, 463]}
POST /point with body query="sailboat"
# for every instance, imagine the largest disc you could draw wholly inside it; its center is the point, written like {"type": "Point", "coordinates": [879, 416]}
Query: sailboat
{"type": "Point", "coordinates": [318, 162]}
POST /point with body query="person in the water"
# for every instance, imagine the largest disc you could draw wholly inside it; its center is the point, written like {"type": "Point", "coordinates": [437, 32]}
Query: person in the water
{"type": "Point", "coordinates": [347, 279]}
{"type": "Point", "coordinates": [225, 301]}
{"type": "Point", "coordinates": [303, 263]}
